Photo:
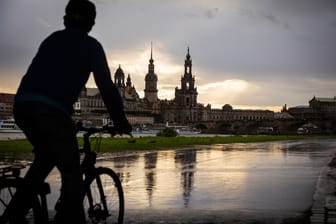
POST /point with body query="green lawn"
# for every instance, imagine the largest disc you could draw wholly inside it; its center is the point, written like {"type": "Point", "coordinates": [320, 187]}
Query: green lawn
{"type": "Point", "coordinates": [154, 143]}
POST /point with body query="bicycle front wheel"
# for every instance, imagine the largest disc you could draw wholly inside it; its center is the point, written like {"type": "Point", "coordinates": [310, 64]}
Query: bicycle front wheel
{"type": "Point", "coordinates": [104, 198]}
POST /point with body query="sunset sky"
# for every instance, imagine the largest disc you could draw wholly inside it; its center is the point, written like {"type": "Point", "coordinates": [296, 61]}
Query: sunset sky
{"type": "Point", "coordinates": [247, 53]}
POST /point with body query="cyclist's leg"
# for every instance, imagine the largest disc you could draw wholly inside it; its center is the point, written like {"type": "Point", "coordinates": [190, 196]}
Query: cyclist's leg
{"type": "Point", "coordinates": [53, 136]}
{"type": "Point", "coordinates": [67, 160]}
{"type": "Point", "coordinates": [70, 208]}
{"type": "Point", "coordinates": [30, 121]}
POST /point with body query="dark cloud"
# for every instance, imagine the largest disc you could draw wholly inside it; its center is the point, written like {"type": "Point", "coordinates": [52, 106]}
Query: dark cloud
{"type": "Point", "coordinates": [272, 18]}
{"type": "Point", "coordinates": [264, 15]}
{"type": "Point", "coordinates": [211, 13]}
{"type": "Point", "coordinates": [303, 7]}
{"type": "Point", "coordinates": [207, 14]}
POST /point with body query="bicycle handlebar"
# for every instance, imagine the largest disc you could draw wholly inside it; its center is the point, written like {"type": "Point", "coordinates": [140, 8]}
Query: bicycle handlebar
{"type": "Point", "coordinates": [104, 129]}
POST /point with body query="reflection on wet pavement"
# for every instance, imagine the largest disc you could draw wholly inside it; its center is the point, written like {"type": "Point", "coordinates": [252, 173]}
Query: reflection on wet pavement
{"type": "Point", "coordinates": [259, 178]}
{"type": "Point", "coordinates": [264, 176]}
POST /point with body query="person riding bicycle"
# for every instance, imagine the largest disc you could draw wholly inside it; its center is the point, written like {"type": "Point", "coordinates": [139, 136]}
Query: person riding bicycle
{"type": "Point", "coordinates": [44, 105]}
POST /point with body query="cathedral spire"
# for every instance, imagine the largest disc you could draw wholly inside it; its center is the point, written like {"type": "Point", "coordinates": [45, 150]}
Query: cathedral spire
{"type": "Point", "coordinates": [151, 81]}
{"type": "Point", "coordinates": [151, 50]}
{"type": "Point", "coordinates": [151, 61]}
{"type": "Point", "coordinates": [188, 54]}
{"type": "Point", "coordinates": [188, 64]}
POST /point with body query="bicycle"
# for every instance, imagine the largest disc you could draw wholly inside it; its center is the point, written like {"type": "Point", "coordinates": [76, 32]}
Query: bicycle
{"type": "Point", "coordinates": [103, 199]}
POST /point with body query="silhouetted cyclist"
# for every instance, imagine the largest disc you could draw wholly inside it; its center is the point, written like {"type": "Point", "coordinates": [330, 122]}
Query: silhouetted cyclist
{"type": "Point", "coordinates": [44, 104]}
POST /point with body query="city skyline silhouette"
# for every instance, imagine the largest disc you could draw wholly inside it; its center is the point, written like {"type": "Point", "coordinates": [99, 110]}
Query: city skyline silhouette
{"type": "Point", "coordinates": [251, 55]}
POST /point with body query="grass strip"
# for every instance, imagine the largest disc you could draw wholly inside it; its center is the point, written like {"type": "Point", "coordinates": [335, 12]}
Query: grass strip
{"type": "Point", "coordinates": [155, 143]}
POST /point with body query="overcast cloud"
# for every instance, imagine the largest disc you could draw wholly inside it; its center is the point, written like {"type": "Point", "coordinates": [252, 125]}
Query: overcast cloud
{"type": "Point", "coordinates": [248, 53]}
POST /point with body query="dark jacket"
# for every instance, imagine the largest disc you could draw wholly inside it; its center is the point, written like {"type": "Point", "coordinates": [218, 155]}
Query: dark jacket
{"type": "Point", "coordinates": [61, 68]}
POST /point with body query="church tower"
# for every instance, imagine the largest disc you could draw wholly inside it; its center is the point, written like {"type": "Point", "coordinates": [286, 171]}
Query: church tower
{"type": "Point", "coordinates": [186, 97]}
{"type": "Point", "coordinates": [151, 92]}
{"type": "Point", "coordinates": [188, 81]}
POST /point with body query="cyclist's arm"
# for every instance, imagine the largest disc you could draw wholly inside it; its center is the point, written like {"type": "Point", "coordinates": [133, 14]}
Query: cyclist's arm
{"type": "Point", "coordinates": [107, 89]}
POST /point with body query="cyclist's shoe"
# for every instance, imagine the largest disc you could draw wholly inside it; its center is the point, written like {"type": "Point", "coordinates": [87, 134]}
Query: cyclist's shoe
{"type": "Point", "coordinates": [4, 219]}
{"type": "Point", "coordinates": [67, 218]}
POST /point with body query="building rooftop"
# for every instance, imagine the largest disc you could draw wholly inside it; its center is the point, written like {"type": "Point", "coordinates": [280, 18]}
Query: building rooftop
{"type": "Point", "coordinates": [301, 106]}
{"type": "Point", "coordinates": [325, 99]}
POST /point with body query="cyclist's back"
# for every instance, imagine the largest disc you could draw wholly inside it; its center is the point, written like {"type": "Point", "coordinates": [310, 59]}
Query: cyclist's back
{"type": "Point", "coordinates": [61, 68]}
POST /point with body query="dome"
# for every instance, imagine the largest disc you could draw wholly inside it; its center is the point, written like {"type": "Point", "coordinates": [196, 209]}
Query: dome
{"type": "Point", "coordinates": [227, 107]}
{"type": "Point", "coordinates": [151, 77]}
{"type": "Point", "coordinates": [119, 73]}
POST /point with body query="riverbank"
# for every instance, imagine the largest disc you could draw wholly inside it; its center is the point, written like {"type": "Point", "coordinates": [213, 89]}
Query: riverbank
{"type": "Point", "coordinates": [157, 143]}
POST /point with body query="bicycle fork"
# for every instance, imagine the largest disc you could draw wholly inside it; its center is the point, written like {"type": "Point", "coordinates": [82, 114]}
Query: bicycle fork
{"type": "Point", "coordinates": [98, 211]}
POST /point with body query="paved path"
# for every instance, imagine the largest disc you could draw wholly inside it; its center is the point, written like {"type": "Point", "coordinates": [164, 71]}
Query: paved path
{"type": "Point", "coordinates": [326, 187]}
{"type": "Point", "coordinates": [144, 214]}
{"type": "Point", "coordinates": [206, 217]}
{"type": "Point", "coordinates": [193, 216]}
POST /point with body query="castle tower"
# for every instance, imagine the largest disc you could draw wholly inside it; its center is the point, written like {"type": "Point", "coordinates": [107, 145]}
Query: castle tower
{"type": "Point", "coordinates": [151, 92]}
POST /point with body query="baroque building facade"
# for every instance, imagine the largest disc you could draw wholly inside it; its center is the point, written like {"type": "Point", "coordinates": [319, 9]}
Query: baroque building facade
{"type": "Point", "coordinates": [6, 105]}
{"type": "Point", "coordinates": [90, 105]}
{"type": "Point", "coordinates": [318, 108]}
{"type": "Point", "coordinates": [184, 109]}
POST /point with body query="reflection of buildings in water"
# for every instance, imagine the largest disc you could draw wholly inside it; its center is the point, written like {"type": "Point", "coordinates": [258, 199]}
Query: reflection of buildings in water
{"type": "Point", "coordinates": [187, 160]}
{"type": "Point", "coordinates": [308, 148]}
{"type": "Point", "coordinates": [122, 165]}
{"type": "Point", "coordinates": [150, 174]}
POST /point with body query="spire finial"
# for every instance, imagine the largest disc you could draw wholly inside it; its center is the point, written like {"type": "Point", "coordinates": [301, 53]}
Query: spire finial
{"type": "Point", "coordinates": [151, 50]}
{"type": "Point", "coordinates": [151, 57]}
{"type": "Point", "coordinates": [188, 53]}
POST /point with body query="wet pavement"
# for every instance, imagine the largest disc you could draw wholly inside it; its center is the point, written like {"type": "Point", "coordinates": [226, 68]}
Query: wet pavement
{"type": "Point", "coordinates": [174, 216]}
{"type": "Point", "coordinates": [231, 183]}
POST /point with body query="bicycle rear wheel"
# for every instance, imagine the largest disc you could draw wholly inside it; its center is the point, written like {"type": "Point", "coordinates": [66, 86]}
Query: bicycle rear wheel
{"type": "Point", "coordinates": [8, 187]}
{"type": "Point", "coordinates": [104, 198]}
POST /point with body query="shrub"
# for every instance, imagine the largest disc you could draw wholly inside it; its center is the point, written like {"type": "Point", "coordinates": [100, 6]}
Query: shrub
{"type": "Point", "coordinates": [167, 132]}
